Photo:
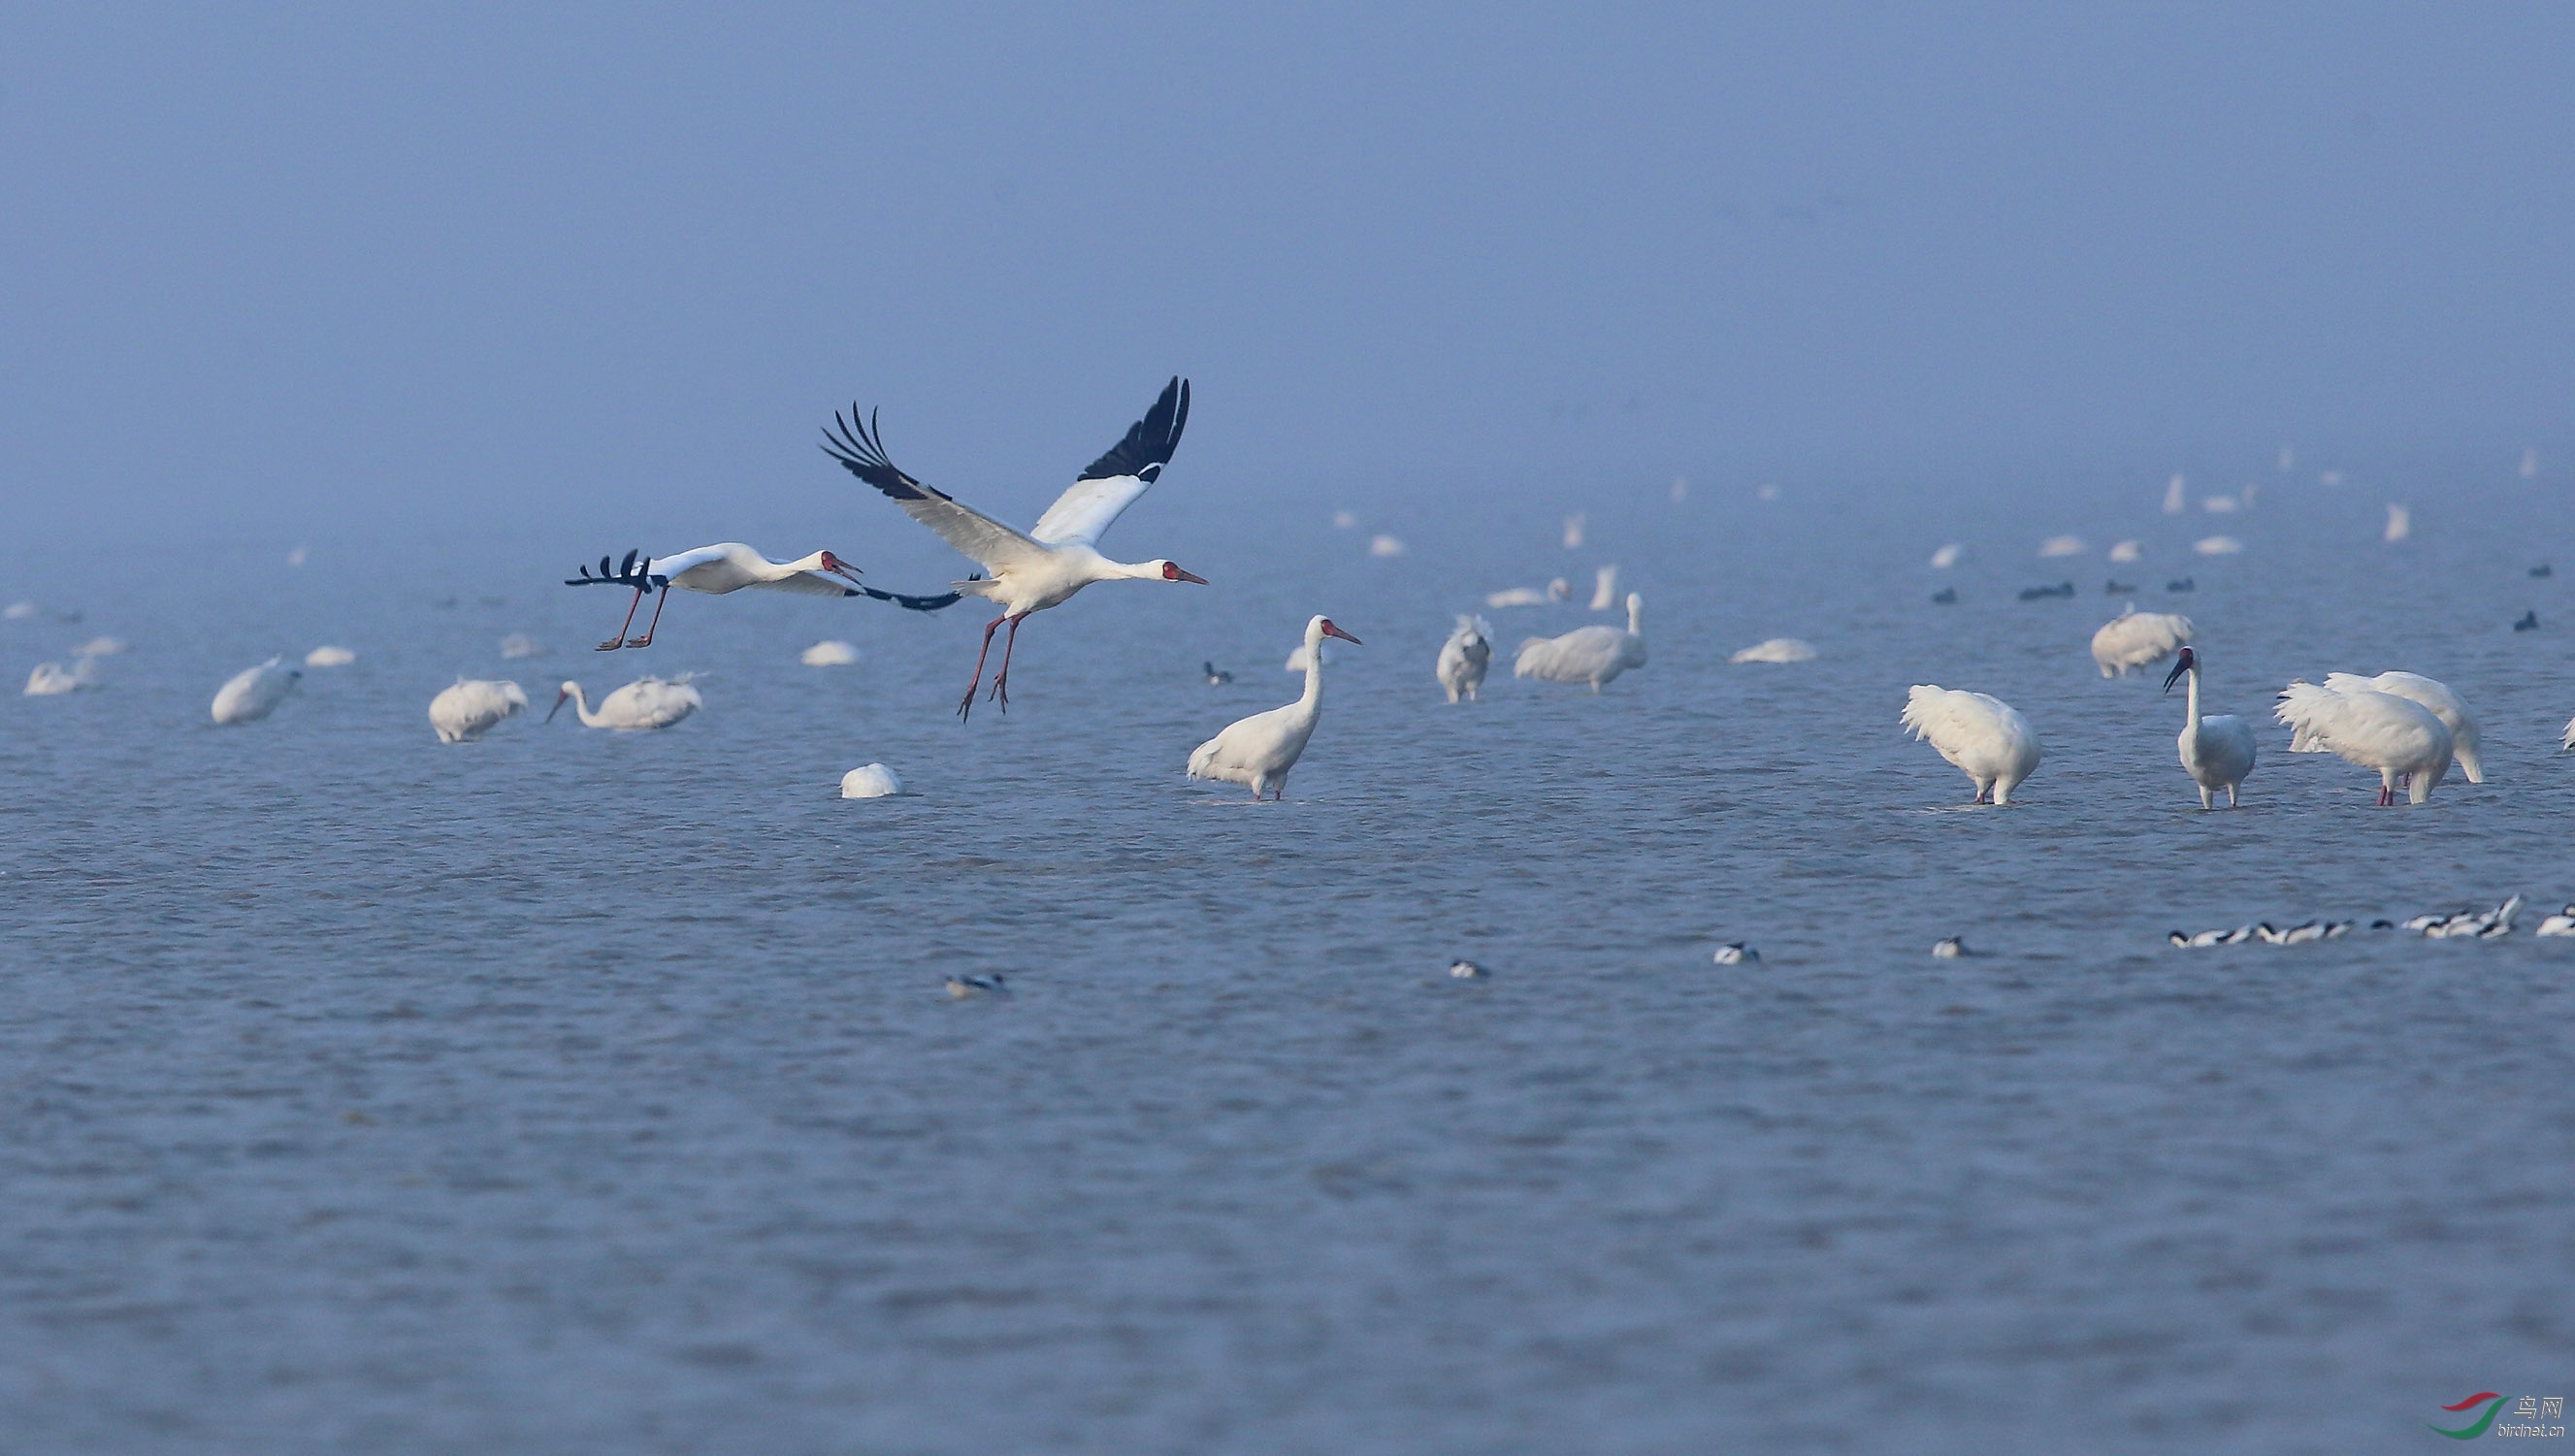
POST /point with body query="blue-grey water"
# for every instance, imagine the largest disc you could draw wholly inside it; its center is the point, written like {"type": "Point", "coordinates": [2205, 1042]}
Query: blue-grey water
{"type": "Point", "coordinates": [579, 1093]}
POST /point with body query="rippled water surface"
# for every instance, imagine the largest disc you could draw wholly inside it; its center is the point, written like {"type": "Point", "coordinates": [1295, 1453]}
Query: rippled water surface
{"type": "Point", "coordinates": [573, 1092]}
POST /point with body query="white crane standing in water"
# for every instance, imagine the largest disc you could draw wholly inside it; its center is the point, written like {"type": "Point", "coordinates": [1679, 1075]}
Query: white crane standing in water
{"type": "Point", "coordinates": [2216, 752]}
{"type": "Point", "coordinates": [1594, 654]}
{"type": "Point", "coordinates": [640, 705]}
{"type": "Point", "coordinates": [2401, 738]}
{"type": "Point", "coordinates": [1259, 749]}
{"type": "Point", "coordinates": [1465, 657]}
{"type": "Point", "coordinates": [1982, 736]}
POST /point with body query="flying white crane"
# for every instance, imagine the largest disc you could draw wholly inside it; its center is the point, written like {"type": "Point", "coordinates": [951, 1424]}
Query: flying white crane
{"type": "Point", "coordinates": [471, 706]}
{"type": "Point", "coordinates": [1594, 654]}
{"type": "Point", "coordinates": [1985, 738]}
{"type": "Point", "coordinates": [1259, 749]}
{"type": "Point", "coordinates": [2134, 639]}
{"type": "Point", "coordinates": [254, 693]}
{"type": "Point", "coordinates": [2445, 705]}
{"type": "Point", "coordinates": [2399, 737]}
{"type": "Point", "coordinates": [2217, 752]}
{"type": "Point", "coordinates": [729, 567]}
{"type": "Point", "coordinates": [1032, 570]}
{"type": "Point", "coordinates": [647, 703]}
{"type": "Point", "coordinates": [1465, 657]}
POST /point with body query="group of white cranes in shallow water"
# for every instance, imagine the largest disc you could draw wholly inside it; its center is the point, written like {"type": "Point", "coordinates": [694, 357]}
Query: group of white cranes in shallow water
{"type": "Point", "coordinates": [2407, 728]}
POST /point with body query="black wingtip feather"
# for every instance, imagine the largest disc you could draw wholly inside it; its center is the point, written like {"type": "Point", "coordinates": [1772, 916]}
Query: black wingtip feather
{"type": "Point", "coordinates": [1149, 440]}
{"type": "Point", "coordinates": [860, 448]}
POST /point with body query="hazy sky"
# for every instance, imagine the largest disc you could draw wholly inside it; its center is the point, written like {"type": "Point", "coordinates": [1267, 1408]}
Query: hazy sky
{"type": "Point", "coordinates": [448, 264]}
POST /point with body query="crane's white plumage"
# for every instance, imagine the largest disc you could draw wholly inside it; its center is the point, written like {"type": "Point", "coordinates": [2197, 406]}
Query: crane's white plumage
{"type": "Point", "coordinates": [1985, 738]}
{"type": "Point", "coordinates": [1605, 589]}
{"type": "Point", "coordinates": [471, 706]}
{"type": "Point", "coordinates": [1555, 590]}
{"type": "Point", "coordinates": [647, 703]}
{"type": "Point", "coordinates": [833, 654]}
{"type": "Point", "coordinates": [1776, 650]}
{"type": "Point", "coordinates": [50, 681]}
{"type": "Point", "coordinates": [1465, 657]}
{"type": "Point", "coordinates": [1594, 654]}
{"type": "Point", "coordinates": [1259, 751]}
{"type": "Point", "coordinates": [254, 693]}
{"type": "Point", "coordinates": [2444, 704]}
{"type": "Point", "coordinates": [329, 657]}
{"type": "Point", "coordinates": [2217, 752]}
{"type": "Point", "coordinates": [1025, 572]}
{"type": "Point", "coordinates": [2134, 639]}
{"type": "Point", "coordinates": [2397, 737]}
{"type": "Point", "coordinates": [869, 780]}
{"type": "Point", "coordinates": [730, 566]}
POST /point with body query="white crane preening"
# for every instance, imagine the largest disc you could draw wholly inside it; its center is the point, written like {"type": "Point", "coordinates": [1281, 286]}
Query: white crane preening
{"type": "Point", "coordinates": [2398, 736]}
{"type": "Point", "coordinates": [2216, 752]}
{"type": "Point", "coordinates": [640, 705]}
{"type": "Point", "coordinates": [2135, 639]}
{"type": "Point", "coordinates": [1594, 654]}
{"type": "Point", "coordinates": [2444, 704]}
{"type": "Point", "coordinates": [254, 693]}
{"type": "Point", "coordinates": [1044, 567]}
{"type": "Point", "coordinates": [1259, 749]}
{"type": "Point", "coordinates": [1465, 657]}
{"type": "Point", "coordinates": [472, 707]}
{"type": "Point", "coordinates": [1985, 738]}
{"type": "Point", "coordinates": [730, 567]}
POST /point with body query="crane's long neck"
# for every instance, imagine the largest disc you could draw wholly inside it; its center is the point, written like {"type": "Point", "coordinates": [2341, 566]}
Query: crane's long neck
{"type": "Point", "coordinates": [1312, 698]}
{"type": "Point", "coordinates": [1636, 618]}
{"type": "Point", "coordinates": [2190, 724]}
{"type": "Point", "coordinates": [581, 705]}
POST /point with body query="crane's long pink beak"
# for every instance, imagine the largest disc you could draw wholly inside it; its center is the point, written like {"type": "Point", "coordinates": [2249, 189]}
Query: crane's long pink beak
{"type": "Point", "coordinates": [1186, 576]}
{"type": "Point", "coordinates": [559, 699]}
{"type": "Point", "coordinates": [1331, 631]}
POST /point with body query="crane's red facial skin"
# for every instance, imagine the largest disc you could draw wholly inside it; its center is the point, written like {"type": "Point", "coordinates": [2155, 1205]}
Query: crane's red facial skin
{"type": "Point", "coordinates": [1172, 572]}
{"type": "Point", "coordinates": [834, 563]}
{"type": "Point", "coordinates": [2181, 665]}
{"type": "Point", "coordinates": [1331, 631]}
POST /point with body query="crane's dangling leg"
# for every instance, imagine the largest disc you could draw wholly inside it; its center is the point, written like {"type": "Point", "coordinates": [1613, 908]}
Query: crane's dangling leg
{"type": "Point", "coordinates": [1001, 679]}
{"type": "Point", "coordinates": [646, 640]}
{"type": "Point", "coordinates": [619, 641]}
{"type": "Point", "coordinates": [966, 704]}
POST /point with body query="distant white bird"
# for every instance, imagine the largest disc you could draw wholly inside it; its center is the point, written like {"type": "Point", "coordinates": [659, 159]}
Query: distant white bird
{"type": "Point", "coordinates": [50, 681]}
{"type": "Point", "coordinates": [830, 653]}
{"type": "Point", "coordinates": [2134, 639]}
{"type": "Point", "coordinates": [1983, 737]}
{"type": "Point", "coordinates": [1555, 590]}
{"type": "Point", "coordinates": [520, 644]}
{"type": "Point", "coordinates": [869, 780]}
{"type": "Point", "coordinates": [1573, 530]}
{"type": "Point", "coordinates": [2126, 551]}
{"type": "Point", "coordinates": [329, 657]}
{"type": "Point", "coordinates": [2445, 705]}
{"type": "Point", "coordinates": [1594, 654]}
{"type": "Point", "coordinates": [2561, 923]}
{"type": "Point", "coordinates": [1776, 650]}
{"type": "Point", "coordinates": [1046, 566]}
{"type": "Point", "coordinates": [2174, 501]}
{"type": "Point", "coordinates": [1466, 971]}
{"type": "Point", "coordinates": [2400, 522]}
{"type": "Point", "coordinates": [2217, 545]}
{"type": "Point", "coordinates": [1735, 952]}
{"type": "Point", "coordinates": [2219, 504]}
{"type": "Point", "coordinates": [471, 706]}
{"type": "Point", "coordinates": [1298, 655]}
{"type": "Point", "coordinates": [2057, 546]}
{"type": "Point", "coordinates": [647, 703]}
{"type": "Point", "coordinates": [1604, 588]}
{"type": "Point", "coordinates": [1259, 751]}
{"type": "Point", "coordinates": [2216, 752]}
{"type": "Point", "coordinates": [2398, 738]}
{"type": "Point", "coordinates": [1383, 544]}
{"type": "Point", "coordinates": [1465, 657]}
{"type": "Point", "coordinates": [1949, 948]}
{"type": "Point", "coordinates": [100, 646]}
{"type": "Point", "coordinates": [254, 693]}
{"type": "Point", "coordinates": [725, 568]}
{"type": "Point", "coordinates": [18, 610]}
{"type": "Point", "coordinates": [1945, 557]}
